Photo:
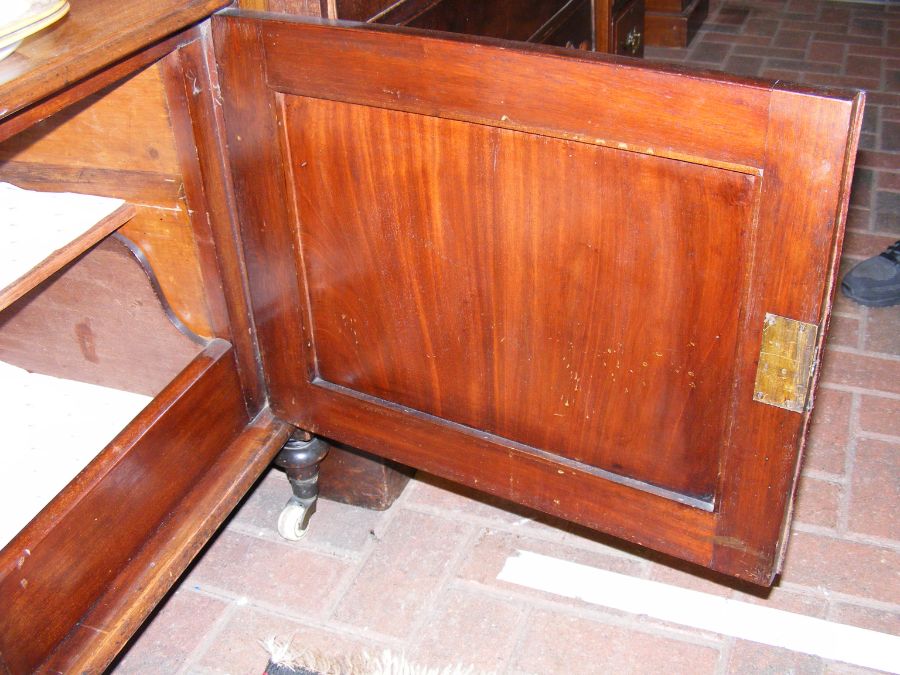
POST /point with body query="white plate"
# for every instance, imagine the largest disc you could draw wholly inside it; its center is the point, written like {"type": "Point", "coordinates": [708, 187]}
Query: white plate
{"type": "Point", "coordinates": [8, 49]}
{"type": "Point", "coordinates": [31, 28]}
{"type": "Point", "coordinates": [13, 10]}
{"type": "Point", "coordinates": [35, 11]}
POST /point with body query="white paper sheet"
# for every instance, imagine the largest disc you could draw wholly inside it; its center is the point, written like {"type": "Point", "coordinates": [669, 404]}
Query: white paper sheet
{"type": "Point", "coordinates": [757, 623]}
{"type": "Point", "coordinates": [34, 225]}
{"type": "Point", "coordinates": [51, 429]}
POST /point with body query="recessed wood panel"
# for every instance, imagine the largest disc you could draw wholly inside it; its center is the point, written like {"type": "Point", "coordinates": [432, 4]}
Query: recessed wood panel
{"type": "Point", "coordinates": [574, 298]}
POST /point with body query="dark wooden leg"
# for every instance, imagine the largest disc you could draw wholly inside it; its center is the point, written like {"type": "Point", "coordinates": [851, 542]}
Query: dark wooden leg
{"type": "Point", "coordinates": [300, 459]}
{"type": "Point", "coordinates": [354, 477]}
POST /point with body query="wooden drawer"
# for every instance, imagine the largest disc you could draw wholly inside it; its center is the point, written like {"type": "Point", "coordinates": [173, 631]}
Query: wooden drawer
{"type": "Point", "coordinates": [628, 30]}
{"type": "Point", "coordinates": [147, 503]}
{"type": "Point", "coordinates": [666, 5]}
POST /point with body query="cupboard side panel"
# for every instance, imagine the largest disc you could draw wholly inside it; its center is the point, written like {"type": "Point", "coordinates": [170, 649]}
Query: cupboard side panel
{"type": "Point", "coordinates": [193, 87]}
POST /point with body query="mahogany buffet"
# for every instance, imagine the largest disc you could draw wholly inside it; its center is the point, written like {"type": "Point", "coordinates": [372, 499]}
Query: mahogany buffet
{"type": "Point", "coordinates": [584, 283]}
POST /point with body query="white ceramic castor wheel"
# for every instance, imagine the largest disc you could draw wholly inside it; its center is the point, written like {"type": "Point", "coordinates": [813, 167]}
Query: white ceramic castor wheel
{"type": "Point", "coordinates": [293, 521]}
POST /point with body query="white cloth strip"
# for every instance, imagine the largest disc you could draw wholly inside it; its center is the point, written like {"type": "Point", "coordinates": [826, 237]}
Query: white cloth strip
{"type": "Point", "coordinates": [775, 627]}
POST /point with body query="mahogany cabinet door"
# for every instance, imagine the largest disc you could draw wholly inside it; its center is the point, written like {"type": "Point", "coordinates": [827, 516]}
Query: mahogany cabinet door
{"type": "Point", "coordinates": [542, 274]}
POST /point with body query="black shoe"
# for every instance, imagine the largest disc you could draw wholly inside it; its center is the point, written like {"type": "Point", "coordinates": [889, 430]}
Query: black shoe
{"type": "Point", "coordinates": [875, 282]}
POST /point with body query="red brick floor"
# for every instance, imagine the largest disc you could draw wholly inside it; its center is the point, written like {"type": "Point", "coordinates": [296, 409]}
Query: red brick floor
{"type": "Point", "coordinates": [421, 577]}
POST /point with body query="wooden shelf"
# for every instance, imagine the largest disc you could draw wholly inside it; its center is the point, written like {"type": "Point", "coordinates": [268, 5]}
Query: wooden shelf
{"type": "Point", "coordinates": [94, 35]}
{"type": "Point", "coordinates": [63, 227]}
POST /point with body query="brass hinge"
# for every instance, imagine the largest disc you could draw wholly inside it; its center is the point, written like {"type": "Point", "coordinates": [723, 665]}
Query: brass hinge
{"type": "Point", "coordinates": [786, 363]}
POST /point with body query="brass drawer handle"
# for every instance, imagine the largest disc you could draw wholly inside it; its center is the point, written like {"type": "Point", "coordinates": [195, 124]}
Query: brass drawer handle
{"type": "Point", "coordinates": [633, 41]}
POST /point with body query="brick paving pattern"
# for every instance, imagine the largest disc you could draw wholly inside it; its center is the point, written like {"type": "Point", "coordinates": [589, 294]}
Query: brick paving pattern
{"type": "Point", "coordinates": [420, 578]}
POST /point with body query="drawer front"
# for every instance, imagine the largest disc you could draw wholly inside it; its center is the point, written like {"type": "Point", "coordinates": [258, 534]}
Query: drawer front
{"type": "Point", "coordinates": [628, 30]}
{"type": "Point", "coordinates": [666, 5]}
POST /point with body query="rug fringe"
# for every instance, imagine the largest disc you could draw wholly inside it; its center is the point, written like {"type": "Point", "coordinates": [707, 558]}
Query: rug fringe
{"type": "Point", "coordinates": [282, 654]}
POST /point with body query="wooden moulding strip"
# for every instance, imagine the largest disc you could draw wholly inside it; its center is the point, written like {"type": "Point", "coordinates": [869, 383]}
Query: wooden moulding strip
{"type": "Point", "coordinates": [191, 83]}
{"type": "Point", "coordinates": [397, 69]}
{"type": "Point", "coordinates": [77, 581]}
{"type": "Point", "coordinates": [150, 574]}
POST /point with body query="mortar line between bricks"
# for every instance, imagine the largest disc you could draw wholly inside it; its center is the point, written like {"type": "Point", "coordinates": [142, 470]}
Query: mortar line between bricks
{"type": "Point", "coordinates": [481, 521]}
{"type": "Point", "coordinates": [846, 598]}
{"type": "Point", "coordinates": [825, 477]}
{"type": "Point", "coordinates": [198, 652]}
{"type": "Point", "coordinates": [559, 536]}
{"type": "Point", "coordinates": [874, 436]}
{"type": "Point", "coordinates": [860, 390]}
{"type": "Point", "coordinates": [830, 611]}
{"type": "Point", "coordinates": [844, 496]}
{"type": "Point", "coordinates": [845, 315]}
{"type": "Point", "coordinates": [601, 614]}
{"type": "Point", "coordinates": [519, 632]}
{"type": "Point", "coordinates": [851, 537]}
{"type": "Point", "coordinates": [841, 349]}
{"type": "Point", "coordinates": [340, 590]}
{"type": "Point", "coordinates": [862, 330]}
{"type": "Point", "coordinates": [725, 656]}
{"type": "Point", "coordinates": [865, 314]}
{"type": "Point", "coordinates": [431, 605]}
{"type": "Point", "coordinates": [305, 619]}
{"type": "Point", "coordinates": [273, 537]}
{"type": "Point", "coordinates": [877, 233]}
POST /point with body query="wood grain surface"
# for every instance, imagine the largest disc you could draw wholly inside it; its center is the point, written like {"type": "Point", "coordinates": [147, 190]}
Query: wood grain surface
{"type": "Point", "coordinates": [712, 120]}
{"type": "Point", "coordinates": [409, 205]}
{"type": "Point", "coordinates": [562, 293]}
{"type": "Point", "coordinates": [105, 629]}
{"type": "Point", "coordinates": [192, 86]}
{"type": "Point", "coordinates": [351, 476]}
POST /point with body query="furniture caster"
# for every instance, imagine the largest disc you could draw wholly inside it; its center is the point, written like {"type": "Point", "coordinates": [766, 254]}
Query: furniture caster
{"type": "Point", "coordinates": [293, 521]}
{"type": "Point", "coordinates": [300, 459]}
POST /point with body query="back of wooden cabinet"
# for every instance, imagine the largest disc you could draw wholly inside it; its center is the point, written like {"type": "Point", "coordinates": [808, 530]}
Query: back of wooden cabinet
{"type": "Point", "coordinates": [593, 288]}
